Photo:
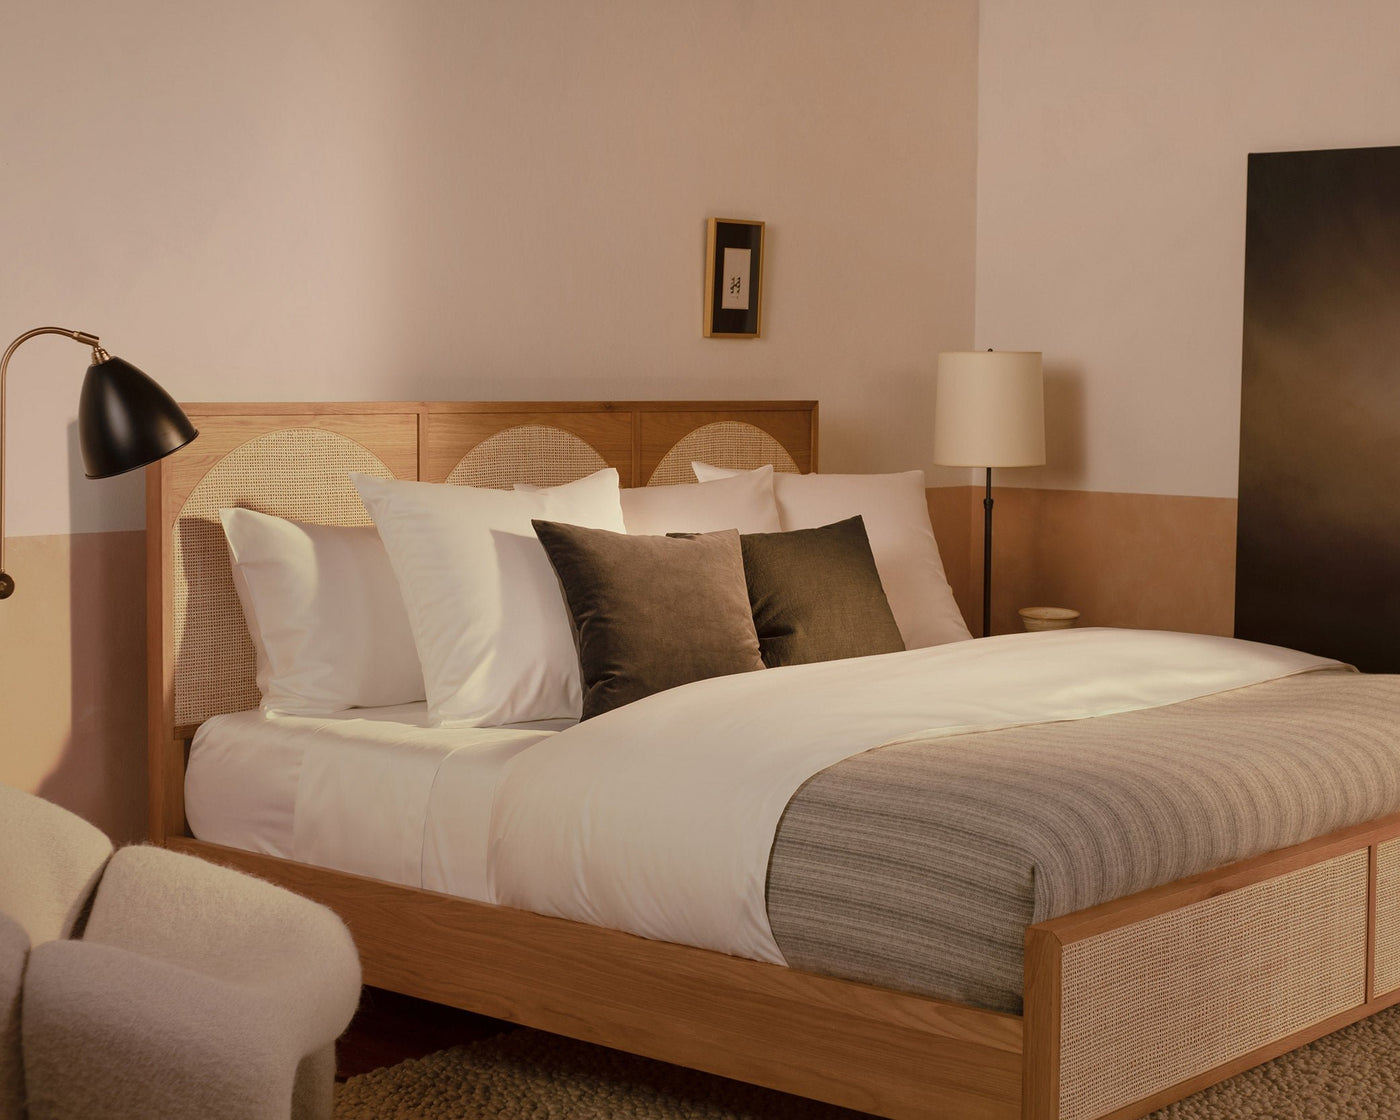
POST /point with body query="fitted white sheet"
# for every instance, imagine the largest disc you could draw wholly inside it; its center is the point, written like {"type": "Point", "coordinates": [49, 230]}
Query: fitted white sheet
{"type": "Point", "coordinates": [409, 803]}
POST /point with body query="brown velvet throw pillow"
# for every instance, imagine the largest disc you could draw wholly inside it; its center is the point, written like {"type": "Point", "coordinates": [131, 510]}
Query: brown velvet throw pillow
{"type": "Point", "coordinates": [651, 613]}
{"type": "Point", "coordinates": [816, 595]}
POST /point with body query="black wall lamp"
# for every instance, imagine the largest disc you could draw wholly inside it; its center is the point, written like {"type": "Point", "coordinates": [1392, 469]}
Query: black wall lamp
{"type": "Point", "coordinates": [125, 421]}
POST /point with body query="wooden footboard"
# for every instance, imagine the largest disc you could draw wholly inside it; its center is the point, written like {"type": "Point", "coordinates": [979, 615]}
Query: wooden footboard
{"type": "Point", "coordinates": [1142, 1001]}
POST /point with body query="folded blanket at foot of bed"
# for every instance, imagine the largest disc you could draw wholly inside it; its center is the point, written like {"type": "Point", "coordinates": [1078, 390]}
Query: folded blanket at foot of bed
{"type": "Point", "coordinates": [919, 865]}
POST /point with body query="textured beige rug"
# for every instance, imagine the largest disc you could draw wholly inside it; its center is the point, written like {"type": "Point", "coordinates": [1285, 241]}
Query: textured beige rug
{"type": "Point", "coordinates": [525, 1075]}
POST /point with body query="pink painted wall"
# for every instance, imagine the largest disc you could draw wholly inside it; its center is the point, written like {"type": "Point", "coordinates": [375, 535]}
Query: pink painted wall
{"type": "Point", "coordinates": [360, 199]}
{"type": "Point", "coordinates": [1112, 144]}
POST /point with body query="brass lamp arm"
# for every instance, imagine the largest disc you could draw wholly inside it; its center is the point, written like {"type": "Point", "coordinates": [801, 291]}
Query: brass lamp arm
{"type": "Point", "coordinates": [7, 585]}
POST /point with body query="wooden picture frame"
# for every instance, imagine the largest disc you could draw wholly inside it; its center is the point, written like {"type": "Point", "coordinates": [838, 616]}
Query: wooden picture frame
{"type": "Point", "coordinates": [733, 278]}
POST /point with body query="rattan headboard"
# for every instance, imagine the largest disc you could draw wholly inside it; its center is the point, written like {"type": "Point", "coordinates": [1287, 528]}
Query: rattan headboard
{"type": "Point", "coordinates": [293, 460]}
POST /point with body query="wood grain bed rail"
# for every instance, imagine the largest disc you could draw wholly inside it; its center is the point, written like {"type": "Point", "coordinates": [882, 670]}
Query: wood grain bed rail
{"type": "Point", "coordinates": [850, 1044]}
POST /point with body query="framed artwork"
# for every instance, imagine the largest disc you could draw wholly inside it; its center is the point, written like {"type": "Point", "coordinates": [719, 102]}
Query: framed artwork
{"type": "Point", "coordinates": [733, 278]}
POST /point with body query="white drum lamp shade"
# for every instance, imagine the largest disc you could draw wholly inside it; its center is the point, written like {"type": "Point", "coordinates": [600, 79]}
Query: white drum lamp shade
{"type": "Point", "coordinates": [990, 409]}
{"type": "Point", "coordinates": [989, 412]}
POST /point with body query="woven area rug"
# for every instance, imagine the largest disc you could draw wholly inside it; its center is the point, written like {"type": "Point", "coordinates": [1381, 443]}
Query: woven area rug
{"type": "Point", "coordinates": [525, 1075]}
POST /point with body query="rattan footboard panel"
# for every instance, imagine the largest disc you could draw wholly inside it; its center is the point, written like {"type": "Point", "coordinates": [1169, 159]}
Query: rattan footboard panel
{"type": "Point", "coordinates": [1151, 1004]}
{"type": "Point", "coordinates": [1386, 975]}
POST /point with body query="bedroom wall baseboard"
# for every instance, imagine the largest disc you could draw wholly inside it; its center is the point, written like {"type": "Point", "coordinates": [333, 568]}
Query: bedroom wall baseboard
{"type": "Point", "coordinates": [1149, 561]}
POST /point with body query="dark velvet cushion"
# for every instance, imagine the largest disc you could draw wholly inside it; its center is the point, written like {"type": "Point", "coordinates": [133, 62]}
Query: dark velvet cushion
{"type": "Point", "coordinates": [816, 595]}
{"type": "Point", "coordinates": [651, 613]}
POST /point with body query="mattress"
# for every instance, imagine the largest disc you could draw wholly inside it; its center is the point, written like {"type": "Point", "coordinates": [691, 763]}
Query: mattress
{"type": "Point", "coordinates": [260, 782]}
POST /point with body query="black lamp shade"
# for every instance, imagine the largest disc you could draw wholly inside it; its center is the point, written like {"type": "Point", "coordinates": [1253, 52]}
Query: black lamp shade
{"type": "Point", "coordinates": [126, 420]}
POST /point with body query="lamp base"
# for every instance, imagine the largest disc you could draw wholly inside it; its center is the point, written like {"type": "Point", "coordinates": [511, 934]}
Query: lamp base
{"type": "Point", "coordinates": [7, 585]}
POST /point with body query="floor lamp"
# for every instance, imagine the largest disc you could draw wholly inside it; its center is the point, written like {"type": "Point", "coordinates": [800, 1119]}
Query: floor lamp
{"type": "Point", "coordinates": [125, 421]}
{"type": "Point", "coordinates": [989, 412]}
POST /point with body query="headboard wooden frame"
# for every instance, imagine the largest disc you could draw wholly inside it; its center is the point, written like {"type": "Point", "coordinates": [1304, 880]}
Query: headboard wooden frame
{"type": "Point", "coordinates": [263, 446]}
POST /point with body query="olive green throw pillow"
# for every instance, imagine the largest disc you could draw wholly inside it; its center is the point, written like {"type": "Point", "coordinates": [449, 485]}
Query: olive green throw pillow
{"type": "Point", "coordinates": [816, 595]}
{"type": "Point", "coordinates": [651, 613]}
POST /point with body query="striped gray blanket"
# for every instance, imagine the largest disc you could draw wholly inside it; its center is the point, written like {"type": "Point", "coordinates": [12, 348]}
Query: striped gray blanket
{"type": "Point", "coordinates": [918, 866]}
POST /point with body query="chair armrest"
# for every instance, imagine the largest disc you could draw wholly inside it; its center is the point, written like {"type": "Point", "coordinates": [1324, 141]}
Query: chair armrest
{"type": "Point", "coordinates": [110, 1033]}
{"type": "Point", "coordinates": [233, 927]}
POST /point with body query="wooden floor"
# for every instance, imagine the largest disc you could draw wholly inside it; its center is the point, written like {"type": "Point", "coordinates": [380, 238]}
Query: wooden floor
{"type": "Point", "coordinates": [390, 1028]}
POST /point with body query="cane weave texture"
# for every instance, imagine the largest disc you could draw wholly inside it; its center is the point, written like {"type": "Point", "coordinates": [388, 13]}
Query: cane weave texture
{"type": "Point", "coordinates": [1387, 963]}
{"type": "Point", "coordinates": [539, 454]}
{"type": "Point", "coordinates": [725, 443]}
{"type": "Point", "coordinates": [298, 473]}
{"type": "Point", "coordinates": [1151, 1004]}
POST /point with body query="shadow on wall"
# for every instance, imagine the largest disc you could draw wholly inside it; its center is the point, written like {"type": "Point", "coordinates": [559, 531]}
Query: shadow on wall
{"type": "Point", "coordinates": [100, 773]}
{"type": "Point", "coordinates": [1064, 421]}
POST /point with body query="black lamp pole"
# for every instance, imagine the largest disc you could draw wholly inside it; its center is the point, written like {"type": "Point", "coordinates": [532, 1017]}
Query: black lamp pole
{"type": "Point", "coordinates": [987, 559]}
{"type": "Point", "coordinates": [125, 421]}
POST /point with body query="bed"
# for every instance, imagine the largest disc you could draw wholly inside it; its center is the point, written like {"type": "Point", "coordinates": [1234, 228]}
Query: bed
{"type": "Point", "coordinates": [1128, 1004]}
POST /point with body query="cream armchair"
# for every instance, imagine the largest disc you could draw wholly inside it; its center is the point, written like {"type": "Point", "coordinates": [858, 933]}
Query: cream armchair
{"type": "Point", "coordinates": [50, 861]}
{"type": "Point", "coordinates": [194, 991]}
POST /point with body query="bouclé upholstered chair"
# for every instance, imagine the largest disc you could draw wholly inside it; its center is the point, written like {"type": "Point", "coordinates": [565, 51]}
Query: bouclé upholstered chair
{"type": "Point", "coordinates": [193, 990]}
{"type": "Point", "coordinates": [50, 860]}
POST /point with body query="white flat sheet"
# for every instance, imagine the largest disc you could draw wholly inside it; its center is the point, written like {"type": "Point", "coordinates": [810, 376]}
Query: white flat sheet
{"type": "Point", "coordinates": [357, 791]}
{"type": "Point", "coordinates": [658, 818]}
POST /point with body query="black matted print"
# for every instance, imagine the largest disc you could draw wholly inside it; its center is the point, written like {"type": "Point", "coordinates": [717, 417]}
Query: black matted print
{"type": "Point", "coordinates": [1318, 563]}
{"type": "Point", "coordinates": [734, 278]}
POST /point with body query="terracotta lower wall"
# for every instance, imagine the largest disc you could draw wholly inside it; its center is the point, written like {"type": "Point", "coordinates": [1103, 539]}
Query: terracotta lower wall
{"type": "Point", "coordinates": [73, 676]}
{"type": "Point", "coordinates": [1148, 561]}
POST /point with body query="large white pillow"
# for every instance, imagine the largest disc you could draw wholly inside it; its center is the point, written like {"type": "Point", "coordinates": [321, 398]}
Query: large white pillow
{"type": "Point", "coordinates": [744, 502]}
{"type": "Point", "coordinates": [325, 615]}
{"type": "Point", "coordinates": [489, 620]}
{"type": "Point", "coordinates": [895, 509]}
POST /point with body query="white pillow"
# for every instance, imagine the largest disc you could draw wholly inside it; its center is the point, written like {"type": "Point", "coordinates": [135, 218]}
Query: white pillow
{"type": "Point", "coordinates": [895, 509]}
{"type": "Point", "coordinates": [325, 614]}
{"type": "Point", "coordinates": [489, 620]}
{"type": "Point", "coordinates": [744, 502]}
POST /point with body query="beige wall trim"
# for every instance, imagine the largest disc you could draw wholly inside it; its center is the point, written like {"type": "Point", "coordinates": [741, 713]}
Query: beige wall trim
{"type": "Point", "coordinates": [1148, 561]}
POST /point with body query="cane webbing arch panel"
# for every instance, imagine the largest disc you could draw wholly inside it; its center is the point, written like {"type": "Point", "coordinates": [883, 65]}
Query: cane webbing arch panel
{"type": "Point", "coordinates": [727, 443]}
{"type": "Point", "coordinates": [1386, 968]}
{"type": "Point", "coordinates": [298, 473]}
{"type": "Point", "coordinates": [539, 454]}
{"type": "Point", "coordinates": [1151, 1004]}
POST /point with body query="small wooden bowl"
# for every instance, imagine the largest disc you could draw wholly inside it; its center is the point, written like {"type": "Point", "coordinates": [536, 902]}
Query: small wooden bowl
{"type": "Point", "coordinates": [1048, 618]}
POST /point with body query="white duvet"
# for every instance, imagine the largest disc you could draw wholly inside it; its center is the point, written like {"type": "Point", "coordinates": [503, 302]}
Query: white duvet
{"type": "Point", "coordinates": [658, 818]}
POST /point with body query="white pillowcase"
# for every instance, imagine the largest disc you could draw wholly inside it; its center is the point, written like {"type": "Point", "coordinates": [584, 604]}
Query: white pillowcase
{"type": "Point", "coordinates": [895, 509]}
{"type": "Point", "coordinates": [325, 615]}
{"type": "Point", "coordinates": [744, 502]}
{"type": "Point", "coordinates": [489, 620]}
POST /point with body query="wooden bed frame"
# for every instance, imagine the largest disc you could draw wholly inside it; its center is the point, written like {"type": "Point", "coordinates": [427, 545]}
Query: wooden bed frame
{"type": "Point", "coordinates": [1128, 1006]}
